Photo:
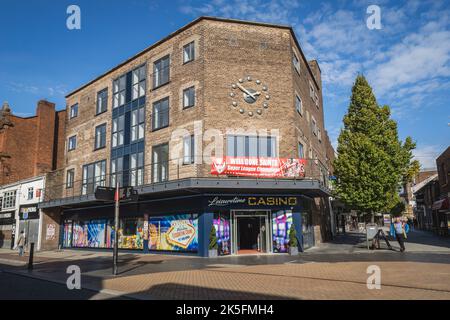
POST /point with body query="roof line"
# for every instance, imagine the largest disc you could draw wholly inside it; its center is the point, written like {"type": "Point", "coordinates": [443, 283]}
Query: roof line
{"type": "Point", "coordinates": [187, 26]}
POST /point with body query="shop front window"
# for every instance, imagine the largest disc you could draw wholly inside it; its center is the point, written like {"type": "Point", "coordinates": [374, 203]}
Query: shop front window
{"type": "Point", "coordinates": [281, 224]}
{"type": "Point", "coordinates": [131, 233]}
{"type": "Point", "coordinates": [223, 233]}
{"type": "Point", "coordinates": [174, 233]}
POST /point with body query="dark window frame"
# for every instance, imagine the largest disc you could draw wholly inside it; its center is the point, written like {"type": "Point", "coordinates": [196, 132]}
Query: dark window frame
{"type": "Point", "coordinates": [164, 112]}
{"type": "Point", "coordinates": [73, 107]}
{"type": "Point", "coordinates": [102, 137]}
{"type": "Point", "coordinates": [70, 182]}
{"type": "Point", "coordinates": [74, 137]}
{"type": "Point", "coordinates": [192, 88]}
{"type": "Point", "coordinates": [159, 177]}
{"type": "Point", "coordinates": [161, 73]}
{"type": "Point", "coordinates": [100, 110]}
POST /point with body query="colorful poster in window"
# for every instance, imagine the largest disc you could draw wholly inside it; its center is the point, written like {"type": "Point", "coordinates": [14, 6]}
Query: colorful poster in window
{"type": "Point", "coordinates": [80, 235]}
{"type": "Point", "coordinates": [281, 223]}
{"type": "Point", "coordinates": [96, 234]}
{"type": "Point", "coordinates": [174, 233]}
{"type": "Point", "coordinates": [222, 225]}
{"type": "Point", "coordinates": [67, 237]}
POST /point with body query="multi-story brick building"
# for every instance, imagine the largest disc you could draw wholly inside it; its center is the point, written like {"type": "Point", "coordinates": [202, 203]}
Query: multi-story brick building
{"type": "Point", "coordinates": [29, 147]}
{"type": "Point", "coordinates": [442, 205]}
{"type": "Point", "coordinates": [221, 123]}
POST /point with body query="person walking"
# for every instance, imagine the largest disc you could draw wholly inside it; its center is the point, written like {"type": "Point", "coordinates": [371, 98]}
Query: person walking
{"type": "Point", "coordinates": [399, 229]}
{"type": "Point", "coordinates": [21, 243]}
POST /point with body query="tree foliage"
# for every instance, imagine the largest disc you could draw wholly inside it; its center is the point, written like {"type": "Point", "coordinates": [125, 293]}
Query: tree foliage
{"type": "Point", "coordinates": [372, 161]}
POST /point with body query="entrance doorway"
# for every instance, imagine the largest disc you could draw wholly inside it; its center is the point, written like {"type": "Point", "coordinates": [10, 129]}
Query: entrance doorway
{"type": "Point", "coordinates": [251, 232]}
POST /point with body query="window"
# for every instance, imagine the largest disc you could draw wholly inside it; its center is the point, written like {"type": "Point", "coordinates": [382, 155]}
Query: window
{"type": "Point", "coordinates": [251, 146]}
{"type": "Point", "coordinates": [160, 114]}
{"type": "Point", "coordinates": [189, 52]}
{"type": "Point", "coordinates": [139, 82]}
{"type": "Point", "coordinates": [160, 163]}
{"type": "Point", "coordinates": [316, 99]}
{"type": "Point", "coordinates": [30, 193]}
{"type": "Point", "coordinates": [100, 136]}
{"type": "Point", "coordinates": [161, 72]}
{"type": "Point", "coordinates": [301, 151]}
{"type": "Point", "coordinates": [118, 129]}
{"type": "Point", "coordinates": [102, 101]}
{"type": "Point", "coordinates": [74, 111]}
{"type": "Point", "coordinates": [311, 90]}
{"type": "Point", "coordinates": [116, 171]}
{"type": "Point", "coordinates": [189, 97]}
{"type": "Point", "coordinates": [72, 143]}
{"type": "Point", "coordinates": [314, 126]}
{"type": "Point", "coordinates": [9, 199]}
{"type": "Point", "coordinates": [119, 89]}
{"type": "Point", "coordinates": [319, 135]}
{"type": "Point", "coordinates": [188, 150]}
{"type": "Point", "coordinates": [298, 105]}
{"type": "Point", "coordinates": [137, 169]}
{"type": "Point", "coordinates": [94, 175]}
{"type": "Point", "coordinates": [70, 177]}
{"type": "Point", "coordinates": [137, 124]}
{"type": "Point", "coordinates": [295, 62]}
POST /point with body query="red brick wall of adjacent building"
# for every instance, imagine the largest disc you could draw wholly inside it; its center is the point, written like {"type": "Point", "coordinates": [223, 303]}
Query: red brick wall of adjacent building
{"type": "Point", "coordinates": [30, 147]}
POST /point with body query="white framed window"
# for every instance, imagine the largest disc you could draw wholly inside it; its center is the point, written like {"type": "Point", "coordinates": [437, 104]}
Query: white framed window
{"type": "Point", "coordinates": [189, 52]}
{"type": "Point", "coordinates": [298, 104]}
{"type": "Point", "coordinates": [188, 150]}
{"type": "Point", "coordinates": [9, 199]}
{"type": "Point", "coordinates": [189, 97]}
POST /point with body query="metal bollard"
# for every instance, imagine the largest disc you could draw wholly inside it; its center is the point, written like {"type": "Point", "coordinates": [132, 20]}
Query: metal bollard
{"type": "Point", "coordinates": [30, 261]}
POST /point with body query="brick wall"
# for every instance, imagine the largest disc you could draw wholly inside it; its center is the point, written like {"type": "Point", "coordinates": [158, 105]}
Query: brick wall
{"type": "Point", "coordinates": [29, 145]}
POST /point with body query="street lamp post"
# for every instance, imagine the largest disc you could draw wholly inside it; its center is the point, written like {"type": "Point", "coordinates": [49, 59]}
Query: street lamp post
{"type": "Point", "coordinates": [116, 227]}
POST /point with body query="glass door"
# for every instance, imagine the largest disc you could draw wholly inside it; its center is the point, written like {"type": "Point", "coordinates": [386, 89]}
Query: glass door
{"type": "Point", "coordinates": [251, 232]}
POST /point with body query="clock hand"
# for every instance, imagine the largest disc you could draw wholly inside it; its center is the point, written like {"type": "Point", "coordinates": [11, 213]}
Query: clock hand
{"type": "Point", "coordinates": [246, 91]}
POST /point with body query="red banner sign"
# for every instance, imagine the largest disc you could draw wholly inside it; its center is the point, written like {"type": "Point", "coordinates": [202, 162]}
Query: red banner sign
{"type": "Point", "coordinates": [259, 167]}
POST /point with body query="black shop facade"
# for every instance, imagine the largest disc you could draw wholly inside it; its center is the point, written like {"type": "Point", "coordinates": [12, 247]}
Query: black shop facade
{"type": "Point", "coordinates": [253, 223]}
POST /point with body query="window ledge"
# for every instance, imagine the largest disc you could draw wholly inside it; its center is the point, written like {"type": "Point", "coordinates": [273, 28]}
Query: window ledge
{"type": "Point", "coordinates": [160, 86]}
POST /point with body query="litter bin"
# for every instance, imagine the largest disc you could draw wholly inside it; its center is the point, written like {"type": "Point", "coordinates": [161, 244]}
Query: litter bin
{"type": "Point", "coordinates": [371, 232]}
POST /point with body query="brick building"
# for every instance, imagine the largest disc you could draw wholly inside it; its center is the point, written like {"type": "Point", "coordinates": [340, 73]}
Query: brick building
{"type": "Point", "coordinates": [221, 123]}
{"type": "Point", "coordinates": [442, 205]}
{"type": "Point", "coordinates": [29, 147]}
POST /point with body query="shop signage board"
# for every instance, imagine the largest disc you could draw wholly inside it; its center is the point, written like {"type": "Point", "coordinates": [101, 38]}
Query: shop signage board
{"type": "Point", "coordinates": [255, 201]}
{"type": "Point", "coordinates": [259, 167]}
{"type": "Point", "coordinates": [27, 212]}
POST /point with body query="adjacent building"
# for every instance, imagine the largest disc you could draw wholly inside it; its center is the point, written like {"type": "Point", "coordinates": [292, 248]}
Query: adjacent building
{"type": "Point", "coordinates": [220, 124]}
{"type": "Point", "coordinates": [29, 148]}
{"type": "Point", "coordinates": [442, 205]}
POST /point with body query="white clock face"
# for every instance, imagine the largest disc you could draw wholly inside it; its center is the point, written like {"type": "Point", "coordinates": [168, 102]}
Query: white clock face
{"type": "Point", "coordinates": [250, 97]}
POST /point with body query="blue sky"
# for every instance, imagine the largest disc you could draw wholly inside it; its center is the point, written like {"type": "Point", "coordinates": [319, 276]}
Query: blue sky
{"type": "Point", "coordinates": [407, 62]}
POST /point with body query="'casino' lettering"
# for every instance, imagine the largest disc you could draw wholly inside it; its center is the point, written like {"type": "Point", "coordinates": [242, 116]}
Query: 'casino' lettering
{"type": "Point", "coordinates": [272, 201]}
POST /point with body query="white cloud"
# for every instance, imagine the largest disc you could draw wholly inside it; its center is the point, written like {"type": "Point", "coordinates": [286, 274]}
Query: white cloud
{"type": "Point", "coordinates": [427, 155]}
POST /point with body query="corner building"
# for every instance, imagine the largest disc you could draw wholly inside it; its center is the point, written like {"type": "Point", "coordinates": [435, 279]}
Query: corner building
{"type": "Point", "coordinates": [219, 124]}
